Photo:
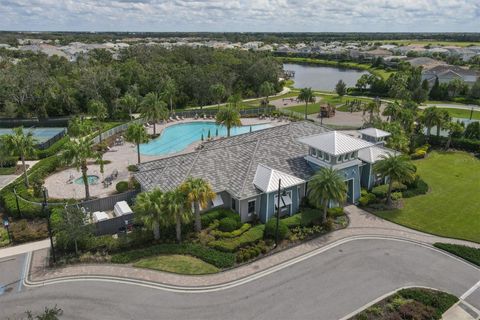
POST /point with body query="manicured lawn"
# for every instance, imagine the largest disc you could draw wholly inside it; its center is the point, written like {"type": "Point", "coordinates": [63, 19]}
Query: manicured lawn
{"type": "Point", "coordinates": [452, 207]}
{"type": "Point", "coordinates": [334, 100]}
{"type": "Point", "coordinates": [461, 113]}
{"type": "Point", "coordinates": [7, 170]}
{"type": "Point", "coordinates": [432, 42]}
{"type": "Point", "coordinates": [177, 264]}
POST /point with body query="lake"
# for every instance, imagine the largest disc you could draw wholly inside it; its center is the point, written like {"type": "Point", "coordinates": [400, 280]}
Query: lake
{"type": "Point", "coordinates": [322, 77]}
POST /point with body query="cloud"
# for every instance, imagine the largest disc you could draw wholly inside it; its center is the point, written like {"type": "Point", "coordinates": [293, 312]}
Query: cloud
{"type": "Point", "coordinates": [241, 15]}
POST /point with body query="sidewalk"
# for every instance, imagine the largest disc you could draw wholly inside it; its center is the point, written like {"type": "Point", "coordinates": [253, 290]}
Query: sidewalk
{"type": "Point", "coordinates": [362, 223]}
{"type": "Point", "coordinates": [24, 248]}
{"type": "Point", "coordinates": [460, 312]}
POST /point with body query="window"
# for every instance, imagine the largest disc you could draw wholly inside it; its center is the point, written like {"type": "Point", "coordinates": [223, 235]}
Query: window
{"type": "Point", "coordinates": [313, 152]}
{"type": "Point", "coordinates": [339, 159]}
{"type": "Point", "coordinates": [352, 155]}
{"type": "Point", "coordinates": [327, 157]}
{"type": "Point", "coordinates": [234, 207]}
{"type": "Point", "coordinates": [320, 155]}
{"type": "Point", "coordinates": [345, 157]}
{"type": "Point", "coordinates": [251, 207]}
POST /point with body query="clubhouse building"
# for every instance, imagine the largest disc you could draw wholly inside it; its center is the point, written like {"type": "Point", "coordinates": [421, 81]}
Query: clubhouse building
{"type": "Point", "coordinates": [244, 171]}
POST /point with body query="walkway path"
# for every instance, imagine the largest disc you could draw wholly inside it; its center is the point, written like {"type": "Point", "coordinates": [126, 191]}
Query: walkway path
{"type": "Point", "coordinates": [451, 106]}
{"type": "Point", "coordinates": [362, 224]}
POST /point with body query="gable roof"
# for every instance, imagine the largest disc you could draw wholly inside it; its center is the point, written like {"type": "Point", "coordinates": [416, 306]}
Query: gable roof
{"type": "Point", "coordinates": [374, 132]}
{"type": "Point", "coordinates": [335, 143]}
{"type": "Point", "coordinates": [266, 179]}
{"type": "Point", "coordinates": [375, 153]}
{"type": "Point", "coordinates": [230, 164]}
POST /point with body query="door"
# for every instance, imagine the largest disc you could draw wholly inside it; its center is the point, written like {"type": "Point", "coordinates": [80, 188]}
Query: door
{"type": "Point", "coordinates": [349, 184]}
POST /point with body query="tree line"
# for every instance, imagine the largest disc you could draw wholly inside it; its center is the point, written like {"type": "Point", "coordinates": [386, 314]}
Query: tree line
{"type": "Point", "coordinates": [42, 86]}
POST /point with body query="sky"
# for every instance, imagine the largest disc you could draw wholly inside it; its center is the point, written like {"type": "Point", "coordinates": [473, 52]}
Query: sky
{"type": "Point", "coordinates": [241, 15]}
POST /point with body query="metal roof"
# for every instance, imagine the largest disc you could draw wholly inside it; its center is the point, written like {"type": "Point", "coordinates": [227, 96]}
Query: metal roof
{"type": "Point", "coordinates": [266, 179]}
{"type": "Point", "coordinates": [335, 143]}
{"type": "Point", "coordinates": [375, 153]}
{"type": "Point", "coordinates": [374, 132]}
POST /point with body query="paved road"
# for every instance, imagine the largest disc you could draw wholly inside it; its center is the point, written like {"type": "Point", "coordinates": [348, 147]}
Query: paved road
{"type": "Point", "coordinates": [452, 106]}
{"type": "Point", "coordinates": [327, 286]}
{"type": "Point", "coordinates": [11, 276]}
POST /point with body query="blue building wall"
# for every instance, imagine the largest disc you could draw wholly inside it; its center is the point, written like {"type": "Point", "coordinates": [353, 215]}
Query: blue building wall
{"type": "Point", "coordinates": [268, 206]}
{"type": "Point", "coordinates": [367, 178]}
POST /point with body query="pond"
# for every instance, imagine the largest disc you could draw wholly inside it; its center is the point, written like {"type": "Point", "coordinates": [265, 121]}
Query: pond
{"type": "Point", "coordinates": [322, 77]}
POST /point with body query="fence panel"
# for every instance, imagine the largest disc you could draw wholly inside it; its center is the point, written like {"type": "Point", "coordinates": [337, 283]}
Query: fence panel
{"type": "Point", "coordinates": [105, 204]}
{"type": "Point", "coordinates": [112, 226]}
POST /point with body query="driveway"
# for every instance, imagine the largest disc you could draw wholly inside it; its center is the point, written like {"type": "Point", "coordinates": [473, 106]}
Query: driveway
{"type": "Point", "coordinates": [326, 286]}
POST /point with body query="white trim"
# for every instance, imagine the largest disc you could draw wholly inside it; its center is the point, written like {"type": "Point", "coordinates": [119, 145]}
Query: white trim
{"type": "Point", "coordinates": [266, 209]}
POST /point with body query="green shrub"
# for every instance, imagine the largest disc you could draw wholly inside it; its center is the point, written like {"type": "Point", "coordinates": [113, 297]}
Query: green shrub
{"type": "Point", "coordinates": [214, 257]}
{"type": "Point", "coordinates": [293, 221]}
{"type": "Point", "coordinates": [53, 149]}
{"type": "Point", "coordinates": [228, 224]}
{"type": "Point", "coordinates": [24, 231]}
{"type": "Point", "coordinates": [335, 212]}
{"type": "Point", "coordinates": [311, 217]}
{"type": "Point", "coordinates": [396, 196]}
{"type": "Point", "coordinates": [438, 300]}
{"type": "Point", "coordinates": [464, 252]}
{"type": "Point", "coordinates": [417, 187]}
{"type": "Point", "coordinates": [122, 186]}
{"type": "Point", "coordinates": [270, 228]}
{"type": "Point", "coordinates": [233, 234]}
{"type": "Point", "coordinates": [247, 238]}
{"type": "Point", "coordinates": [251, 252]}
{"type": "Point", "coordinates": [132, 168]}
{"type": "Point", "coordinates": [328, 225]}
{"type": "Point", "coordinates": [381, 191]}
{"type": "Point", "coordinates": [367, 199]}
{"type": "Point", "coordinates": [216, 214]}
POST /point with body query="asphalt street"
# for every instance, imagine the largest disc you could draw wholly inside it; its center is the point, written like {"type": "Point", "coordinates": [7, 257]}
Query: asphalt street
{"type": "Point", "coordinates": [327, 286]}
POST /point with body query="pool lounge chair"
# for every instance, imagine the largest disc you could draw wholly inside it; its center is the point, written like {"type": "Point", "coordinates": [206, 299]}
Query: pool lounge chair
{"type": "Point", "coordinates": [204, 116]}
{"type": "Point", "coordinates": [178, 118]}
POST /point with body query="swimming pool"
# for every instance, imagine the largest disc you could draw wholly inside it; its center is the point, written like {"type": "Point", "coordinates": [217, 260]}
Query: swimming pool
{"type": "Point", "coordinates": [177, 137]}
{"type": "Point", "coordinates": [40, 134]}
{"type": "Point", "coordinates": [91, 179]}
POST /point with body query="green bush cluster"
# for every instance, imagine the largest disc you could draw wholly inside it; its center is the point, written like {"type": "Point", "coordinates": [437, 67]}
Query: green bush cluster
{"type": "Point", "coordinates": [251, 252]}
{"type": "Point", "coordinates": [420, 152]}
{"type": "Point", "coordinates": [302, 233]}
{"type": "Point", "coordinates": [417, 187]}
{"type": "Point", "coordinates": [366, 199]}
{"type": "Point", "coordinates": [293, 221]}
{"type": "Point", "coordinates": [132, 168]}
{"type": "Point", "coordinates": [335, 212]}
{"type": "Point", "coordinates": [235, 233]}
{"type": "Point", "coordinates": [438, 300]}
{"type": "Point", "coordinates": [214, 257]}
{"type": "Point", "coordinates": [22, 231]}
{"type": "Point", "coordinates": [122, 186]}
{"type": "Point", "coordinates": [468, 253]}
{"type": "Point", "coordinates": [216, 214]}
{"type": "Point", "coordinates": [311, 216]}
{"type": "Point", "coordinates": [270, 228]}
{"type": "Point", "coordinates": [381, 190]}
{"type": "Point", "coordinates": [396, 196]}
{"type": "Point", "coordinates": [229, 224]}
{"type": "Point", "coordinates": [53, 149]}
{"type": "Point", "coordinates": [247, 238]}
{"type": "Point", "coordinates": [469, 145]}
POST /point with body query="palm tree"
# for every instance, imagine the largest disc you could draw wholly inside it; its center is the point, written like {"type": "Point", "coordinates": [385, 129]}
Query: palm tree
{"type": "Point", "coordinates": [20, 144]}
{"type": "Point", "coordinates": [149, 209]}
{"type": "Point", "coordinates": [77, 152]}
{"type": "Point", "coordinates": [306, 95]}
{"type": "Point", "coordinates": [266, 89]}
{"type": "Point", "coordinates": [429, 118]}
{"type": "Point", "coordinates": [98, 110]}
{"type": "Point", "coordinates": [235, 101]}
{"type": "Point", "coordinates": [169, 91]}
{"type": "Point", "coordinates": [442, 120]}
{"type": "Point", "coordinates": [200, 193]}
{"type": "Point", "coordinates": [137, 134]}
{"type": "Point", "coordinates": [178, 209]}
{"type": "Point", "coordinates": [454, 129]}
{"type": "Point", "coordinates": [392, 111]}
{"type": "Point", "coordinates": [397, 168]}
{"type": "Point", "coordinates": [229, 117]}
{"type": "Point", "coordinates": [373, 108]}
{"type": "Point", "coordinates": [153, 109]}
{"type": "Point", "coordinates": [325, 186]}
{"type": "Point", "coordinates": [218, 93]}
{"type": "Point", "coordinates": [129, 102]}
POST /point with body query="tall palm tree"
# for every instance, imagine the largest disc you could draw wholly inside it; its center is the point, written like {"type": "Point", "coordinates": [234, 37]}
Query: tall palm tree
{"type": "Point", "coordinates": [200, 193]}
{"type": "Point", "coordinates": [21, 144]}
{"type": "Point", "coordinates": [153, 109]}
{"type": "Point", "coordinates": [454, 129]}
{"type": "Point", "coordinates": [306, 95]}
{"type": "Point", "coordinates": [129, 102]}
{"type": "Point", "coordinates": [169, 91]}
{"type": "Point", "coordinates": [137, 134]}
{"type": "Point", "coordinates": [397, 168]}
{"type": "Point", "coordinates": [229, 117]}
{"type": "Point", "coordinates": [218, 93]}
{"type": "Point", "coordinates": [373, 109]}
{"type": "Point", "coordinates": [98, 110]}
{"type": "Point", "coordinates": [178, 209]}
{"type": "Point", "coordinates": [77, 153]}
{"type": "Point", "coordinates": [149, 209]}
{"type": "Point", "coordinates": [266, 90]}
{"type": "Point", "coordinates": [325, 186]}
{"type": "Point", "coordinates": [442, 120]}
{"type": "Point", "coordinates": [235, 101]}
{"type": "Point", "coordinates": [430, 118]}
{"type": "Point", "coordinates": [392, 111]}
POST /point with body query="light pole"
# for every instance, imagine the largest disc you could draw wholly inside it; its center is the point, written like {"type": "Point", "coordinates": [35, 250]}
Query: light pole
{"type": "Point", "coordinates": [6, 224]}
{"type": "Point", "coordinates": [278, 210]}
{"type": "Point", "coordinates": [49, 225]}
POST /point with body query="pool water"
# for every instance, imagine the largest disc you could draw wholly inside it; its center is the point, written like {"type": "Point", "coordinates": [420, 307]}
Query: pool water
{"type": "Point", "coordinates": [91, 179]}
{"type": "Point", "coordinates": [177, 137]}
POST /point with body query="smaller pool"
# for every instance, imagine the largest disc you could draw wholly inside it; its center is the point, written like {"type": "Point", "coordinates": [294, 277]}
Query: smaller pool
{"type": "Point", "coordinates": [91, 179]}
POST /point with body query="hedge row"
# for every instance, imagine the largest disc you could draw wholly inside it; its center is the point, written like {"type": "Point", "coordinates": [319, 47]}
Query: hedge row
{"type": "Point", "coordinates": [214, 257]}
{"type": "Point", "coordinates": [468, 253]}
{"type": "Point", "coordinates": [469, 145]}
{"type": "Point", "coordinates": [53, 149]}
{"type": "Point", "coordinates": [233, 234]}
{"type": "Point", "coordinates": [247, 238]}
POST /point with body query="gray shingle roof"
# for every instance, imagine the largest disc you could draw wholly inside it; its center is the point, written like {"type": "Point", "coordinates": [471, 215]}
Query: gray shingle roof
{"type": "Point", "coordinates": [230, 164]}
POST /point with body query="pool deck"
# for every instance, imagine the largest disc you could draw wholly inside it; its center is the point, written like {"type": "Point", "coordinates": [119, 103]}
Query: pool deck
{"type": "Point", "coordinates": [121, 157]}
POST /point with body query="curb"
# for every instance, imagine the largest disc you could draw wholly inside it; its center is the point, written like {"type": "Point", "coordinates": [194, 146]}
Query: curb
{"type": "Point", "coordinates": [230, 284]}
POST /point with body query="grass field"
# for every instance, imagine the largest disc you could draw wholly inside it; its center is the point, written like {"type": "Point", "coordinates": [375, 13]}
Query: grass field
{"type": "Point", "coordinates": [451, 208]}
{"type": "Point", "coordinates": [7, 170]}
{"type": "Point", "coordinates": [177, 264]}
{"type": "Point", "coordinates": [461, 113]}
{"type": "Point", "coordinates": [432, 42]}
{"type": "Point", "coordinates": [315, 107]}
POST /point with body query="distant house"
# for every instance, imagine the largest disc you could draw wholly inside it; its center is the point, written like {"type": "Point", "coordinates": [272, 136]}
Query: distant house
{"type": "Point", "coordinates": [245, 170]}
{"type": "Point", "coordinates": [446, 73]}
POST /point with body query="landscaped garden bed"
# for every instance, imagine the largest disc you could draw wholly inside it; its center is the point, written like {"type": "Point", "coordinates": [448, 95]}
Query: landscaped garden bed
{"type": "Point", "coordinates": [468, 253]}
{"type": "Point", "coordinates": [413, 303]}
